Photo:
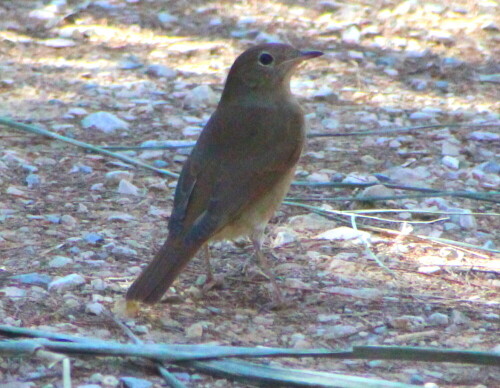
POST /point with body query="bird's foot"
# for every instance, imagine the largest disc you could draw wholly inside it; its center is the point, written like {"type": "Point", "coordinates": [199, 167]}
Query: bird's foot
{"type": "Point", "coordinates": [215, 281]}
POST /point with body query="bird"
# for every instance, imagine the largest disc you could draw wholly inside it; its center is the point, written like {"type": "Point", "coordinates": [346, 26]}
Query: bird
{"type": "Point", "coordinates": [239, 170]}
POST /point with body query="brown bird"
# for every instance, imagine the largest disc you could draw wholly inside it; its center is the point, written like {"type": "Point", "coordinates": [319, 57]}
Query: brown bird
{"type": "Point", "coordinates": [240, 168]}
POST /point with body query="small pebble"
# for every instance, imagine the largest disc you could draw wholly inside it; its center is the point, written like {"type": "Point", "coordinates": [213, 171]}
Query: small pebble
{"type": "Point", "coordinates": [33, 180]}
{"type": "Point", "coordinates": [318, 177]}
{"type": "Point", "coordinates": [451, 162]}
{"type": "Point", "coordinates": [141, 329]}
{"type": "Point", "coordinates": [110, 381]}
{"type": "Point", "coordinates": [117, 175]}
{"type": "Point", "coordinates": [105, 122]}
{"type": "Point", "coordinates": [11, 190]}
{"type": "Point", "coordinates": [438, 319]}
{"type": "Point", "coordinates": [283, 237]}
{"type": "Point", "coordinates": [161, 71]}
{"type": "Point", "coordinates": [34, 278]}
{"type": "Point", "coordinates": [391, 72]}
{"type": "Point", "coordinates": [93, 238]}
{"type": "Point", "coordinates": [191, 131]}
{"type": "Point", "coordinates": [53, 218]}
{"type": "Point", "coordinates": [123, 251]}
{"type": "Point", "coordinates": [124, 217]}
{"type": "Point", "coordinates": [386, 61]}
{"type": "Point", "coordinates": [166, 19]}
{"type": "Point", "coordinates": [484, 136]}
{"type": "Point", "coordinates": [78, 168]}
{"type": "Point", "coordinates": [76, 112]}
{"type": "Point", "coordinates": [200, 96]}
{"type": "Point", "coordinates": [351, 35]}
{"type": "Point", "coordinates": [311, 221]}
{"type": "Point", "coordinates": [68, 220]}
{"type": "Point", "coordinates": [98, 284]}
{"type": "Point", "coordinates": [94, 308]}
{"type": "Point", "coordinates": [343, 233]}
{"type": "Point", "coordinates": [337, 331]}
{"type": "Point", "coordinates": [131, 62]}
{"type": "Point", "coordinates": [134, 382]}
{"type": "Point", "coordinates": [66, 283]}
{"type": "Point", "coordinates": [60, 261]}
{"type": "Point", "coordinates": [421, 116]}
{"type": "Point", "coordinates": [58, 43]}
{"type": "Point", "coordinates": [125, 187]}
{"type": "Point", "coordinates": [323, 318]}
{"type": "Point", "coordinates": [160, 163]}
{"type": "Point", "coordinates": [13, 292]}
{"type": "Point", "coordinates": [459, 318]}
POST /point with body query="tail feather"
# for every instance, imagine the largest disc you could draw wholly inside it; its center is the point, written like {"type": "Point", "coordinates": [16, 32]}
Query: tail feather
{"type": "Point", "coordinates": [159, 275]}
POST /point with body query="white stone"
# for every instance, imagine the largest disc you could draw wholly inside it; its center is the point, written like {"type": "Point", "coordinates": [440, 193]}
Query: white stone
{"type": "Point", "coordinates": [97, 187]}
{"type": "Point", "coordinates": [94, 308]}
{"type": "Point", "coordinates": [311, 221]}
{"type": "Point", "coordinates": [438, 319]}
{"type": "Point", "coordinates": [104, 121]}
{"type": "Point", "coordinates": [484, 136]}
{"type": "Point", "coordinates": [110, 381]}
{"type": "Point", "coordinates": [411, 176]}
{"type": "Point", "coordinates": [191, 131]}
{"type": "Point", "coordinates": [376, 191]}
{"type": "Point", "coordinates": [161, 71]}
{"type": "Point", "coordinates": [451, 162]}
{"type": "Point", "coordinates": [151, 154]}
{"type": "Point", "coordinates": [125, 187]}
{"type": "Point", "coordinates": [328, 317]}
{"type": "Point", "coordinates": [58, 43]}
{"type": "Point", "coordinates": [98, 284]}
{"type": "Point", "coordinates": [117, 175]}
{"type": "Point", "coordinates": [68, 220]}
{"type": "Point", "coordinates": [60, 261]}
{"type": "Point", "coordinates": [351, 35]}
{"type": "Point", "coordinates": [123, 251]}
{"type": "Point", "coordinates": [467, 221]}
{"type": "Point", "coordinates": [200, 96]}
{"type": "Point", "coordinates": [318, 177]}
{"type": "Point", "coordinates": [13, 292]}
{"type": "Point", "coordinates": [125, 217]}
{"type": "Point", "coordinates": [391, 72]}
{"type": "Point", "coordinates": [166, 19]}
{"type": "Point", "coordinates": [450, 149]}
{"type": "Point", "coordinates": [421, 115]}
{"type": "Point", "coordinates": [338, 331]}
{"type": "Point", "coordinates": [134, 382]}
{"type": "Point", "coordinates": [283, 237]}
{"type": "Point", "coordinates": [77, 112]}
{"type": "Point", "coordinates": [66, 283]}
{"type": "Point", "coordinates": [195, 331]}
{"type": "Point", "coordinates": [343, 233]}
{"type": "Point", "coordinates": [12, 190]}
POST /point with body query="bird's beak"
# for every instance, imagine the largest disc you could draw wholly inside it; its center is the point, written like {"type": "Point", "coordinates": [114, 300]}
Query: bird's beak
{"type": "Point", "coordinates": [300, 57]}
{"type": "Point", "coordinates": [304, 55]}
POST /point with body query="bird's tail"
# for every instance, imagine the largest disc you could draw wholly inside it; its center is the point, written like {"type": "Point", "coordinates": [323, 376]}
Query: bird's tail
{"type": "Point", "coordinates": [159, 275]}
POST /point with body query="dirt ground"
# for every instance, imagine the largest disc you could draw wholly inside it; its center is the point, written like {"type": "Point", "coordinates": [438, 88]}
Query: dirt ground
{"type": "Point", "coordinates": [387, 64]}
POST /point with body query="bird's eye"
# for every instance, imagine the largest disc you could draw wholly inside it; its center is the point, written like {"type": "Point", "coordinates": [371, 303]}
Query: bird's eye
{"type": "Point", "coordinates": [266, 59]}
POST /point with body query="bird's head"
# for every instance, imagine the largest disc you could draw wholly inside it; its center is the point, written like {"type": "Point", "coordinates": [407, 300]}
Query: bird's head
{"type": "Point", "coordinates": [266, 67]}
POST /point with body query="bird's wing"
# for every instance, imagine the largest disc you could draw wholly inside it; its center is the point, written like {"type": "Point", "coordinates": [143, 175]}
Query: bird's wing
{"type": "Point", "coordinates": [238, 158]}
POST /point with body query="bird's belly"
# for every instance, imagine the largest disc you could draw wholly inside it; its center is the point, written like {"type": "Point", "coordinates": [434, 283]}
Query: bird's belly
{"type": "Point", "coordinates": [257, 214]}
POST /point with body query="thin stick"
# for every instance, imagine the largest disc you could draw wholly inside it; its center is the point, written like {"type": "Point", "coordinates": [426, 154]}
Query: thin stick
{"type": "Point", "coordinates": [81, 144]}
{"type": "Point", "coordinates": [403, 129]}
{"type": "Point", "coordinates": [164, 372]}
{"type": "Point", "coordinates": [369, 251]}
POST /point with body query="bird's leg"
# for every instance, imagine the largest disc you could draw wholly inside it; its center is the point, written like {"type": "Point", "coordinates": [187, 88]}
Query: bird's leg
{"type": "Point", "coordinates": [208, 266]}
{"type": "Point", "coordinates": [257, 240]}
{"type": "Point", "coordinates": [212, 281]}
